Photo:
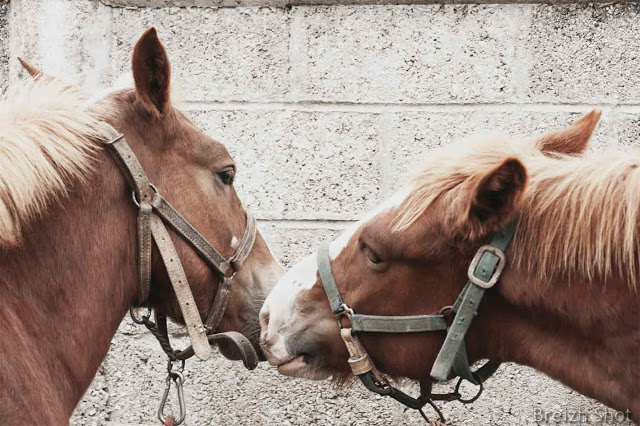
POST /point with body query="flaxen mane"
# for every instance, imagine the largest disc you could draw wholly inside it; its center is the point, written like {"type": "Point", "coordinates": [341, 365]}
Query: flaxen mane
{"type": "Point", "coordinates": [48, 134]}
{"type": "Point", "coordinates": [579, 216]}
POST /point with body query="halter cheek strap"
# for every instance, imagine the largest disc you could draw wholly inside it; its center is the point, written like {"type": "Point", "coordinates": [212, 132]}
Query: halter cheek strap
{"type": "Point", "coordinates": [154, 214]}
{"type": "Point", "coordinates": [484, 272]}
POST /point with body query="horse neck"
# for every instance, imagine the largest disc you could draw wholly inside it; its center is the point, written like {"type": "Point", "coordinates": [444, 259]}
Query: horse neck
{"type": "Point", "coordinates": [65, 290]}
{"type": "Point", "coordinates": [554, 325]}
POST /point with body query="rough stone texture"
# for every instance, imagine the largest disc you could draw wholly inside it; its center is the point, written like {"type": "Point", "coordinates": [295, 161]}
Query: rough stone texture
{"type": "Point", "coordinates": [579, 53]}
{"type": "Point", "coordinates": [629, 130]}
{"type": "Point", "coordinates": [427, 54]}
{"type": "Point", "coordinates": [291, 242]}
{"type": "Point", "coordinates": [4, 45]}
{"type": "Point", "coordinates": [285, 3]}
{"type": "Point", "coordinates": [326, 109]}
{"type": "Point", "coordinates": [68, 39]}
{"type": "Point", "coordinates": [224, 54]}
{"type": "Point", "coordinates": [301, 165]}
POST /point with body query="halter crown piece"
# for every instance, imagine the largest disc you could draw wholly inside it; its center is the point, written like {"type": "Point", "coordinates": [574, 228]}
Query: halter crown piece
{"type": "Point", "coordinates": [484, 272]}
{"type": "Point", "coordinates": [154, 213]}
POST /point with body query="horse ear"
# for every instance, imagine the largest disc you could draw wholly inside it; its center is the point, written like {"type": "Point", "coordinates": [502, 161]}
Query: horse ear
{"type": "Point", "coordinates": [496, 198]}
{"type": "Point", "coordinates": [152, 73]}
{"type": "Point", "coordinates": [33, 71]}
{"type": "Point", "coordinates": [571, 140]}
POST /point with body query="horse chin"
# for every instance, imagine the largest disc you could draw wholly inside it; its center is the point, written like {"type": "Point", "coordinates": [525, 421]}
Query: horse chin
{"type": "Point", "coordinates": [299, 367]}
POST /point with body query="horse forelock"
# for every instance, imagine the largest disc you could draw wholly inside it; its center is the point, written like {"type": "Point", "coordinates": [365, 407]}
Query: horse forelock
{"type": "Point", "coordinates": [579, 215]}
{"type": "Point", "coordinates": [48, 141]}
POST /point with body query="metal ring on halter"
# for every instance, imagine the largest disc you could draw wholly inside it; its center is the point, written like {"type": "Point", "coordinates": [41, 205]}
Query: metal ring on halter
{"type": "Point", "coordinates": [137, 320]}
{"type": "Point", "coordinates": [470, 400]}
{"type": "Point", "coordinates": [178, 379]}
{"type": "Point", "coordinates": [345, 312]}
{"type": "Point", "coordinates": [445, 310]}
{"type": "Point", "coordinates": [135, 199]}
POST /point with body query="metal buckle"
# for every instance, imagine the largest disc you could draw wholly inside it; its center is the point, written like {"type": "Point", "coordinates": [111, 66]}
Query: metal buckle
{"type": "Point", "coordinates": [135, 199]}
{"type": "Point", "coordinates": [496, 274]}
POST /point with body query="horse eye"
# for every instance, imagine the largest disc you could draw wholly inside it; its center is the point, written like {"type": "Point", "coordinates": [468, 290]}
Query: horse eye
{"type": "Point", "coordinates": [227, 176]}
{"type": "Point", "coordinates": [373, 256]}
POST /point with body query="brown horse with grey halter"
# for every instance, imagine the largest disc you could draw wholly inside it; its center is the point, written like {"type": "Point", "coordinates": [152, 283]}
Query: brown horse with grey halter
{"type": "Point", "coordinates": [107, 204]}
{"type": "Point", "coordinates": [500, 249]}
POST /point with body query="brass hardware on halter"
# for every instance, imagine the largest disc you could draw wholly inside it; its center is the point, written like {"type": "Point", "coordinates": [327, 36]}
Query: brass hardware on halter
{"type": "Point", "coordinates": [359, 361]}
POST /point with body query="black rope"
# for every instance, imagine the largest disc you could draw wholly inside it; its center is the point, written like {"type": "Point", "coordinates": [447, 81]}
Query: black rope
{"type": "Point", "coordinates": [162, 338]}
{"type": "Point", "coordinates": [161, 335]}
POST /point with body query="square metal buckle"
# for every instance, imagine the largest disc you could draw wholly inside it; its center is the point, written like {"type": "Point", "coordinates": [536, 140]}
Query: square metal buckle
{"type": "Point", "coordinates": [496, 274]}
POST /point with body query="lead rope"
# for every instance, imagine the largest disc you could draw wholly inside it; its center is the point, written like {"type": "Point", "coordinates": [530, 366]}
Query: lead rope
{"type": "Point", "coordinates": [175, 377]}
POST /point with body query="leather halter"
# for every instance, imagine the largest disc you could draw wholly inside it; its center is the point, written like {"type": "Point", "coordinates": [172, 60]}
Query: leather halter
{"type": "Point", "coordinates": [154, 213]}
{"type": "Point", "coordinates": [484, 272]}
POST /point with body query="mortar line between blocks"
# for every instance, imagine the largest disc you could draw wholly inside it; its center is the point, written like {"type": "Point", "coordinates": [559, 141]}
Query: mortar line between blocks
{"type": "Point", "coordinates": [305, 223]}
{"type": "Point", "coordinates": [417, 107]}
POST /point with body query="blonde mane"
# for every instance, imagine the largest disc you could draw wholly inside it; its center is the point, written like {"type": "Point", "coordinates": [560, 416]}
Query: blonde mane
{"type": "Point", "coordinates": [48, 134]}
{"type": "Point", "coordinates": [579, 217]}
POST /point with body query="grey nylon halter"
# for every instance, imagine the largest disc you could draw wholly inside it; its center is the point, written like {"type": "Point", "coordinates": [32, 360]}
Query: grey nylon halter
{"type": "Point", "coordinates": [484, 272]}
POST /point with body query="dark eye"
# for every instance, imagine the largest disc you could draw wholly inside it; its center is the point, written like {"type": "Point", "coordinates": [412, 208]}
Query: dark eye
{"type": "Point", "coordinates": [227, 175]}
{"type": "Point", "coordinates": [373, 256]}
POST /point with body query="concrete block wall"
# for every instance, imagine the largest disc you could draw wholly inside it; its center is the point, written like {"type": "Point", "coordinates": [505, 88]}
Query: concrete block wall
{"type": "Point", "coordinates": [326, 110]}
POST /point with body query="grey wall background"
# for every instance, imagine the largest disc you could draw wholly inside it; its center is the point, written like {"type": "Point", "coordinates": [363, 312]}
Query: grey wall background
{"type": "Point", "coordinates": [325, 109]}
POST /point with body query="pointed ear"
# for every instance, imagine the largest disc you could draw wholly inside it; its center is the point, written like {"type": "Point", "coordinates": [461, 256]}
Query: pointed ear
{"type": "Point", "coordinates": [496, 198]}
{"type": "Point", "coordinates": [572, 140]}
{"type": "Point", "coordinates": [152, 73]}
{"type": "Point", "coordinates": [33, 71]}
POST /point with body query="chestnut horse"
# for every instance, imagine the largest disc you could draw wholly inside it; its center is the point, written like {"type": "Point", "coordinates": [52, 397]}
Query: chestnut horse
{"type": "Point", "coordinates": [68, 271]}
{"type": "Point", "coordinates": [567, 303]}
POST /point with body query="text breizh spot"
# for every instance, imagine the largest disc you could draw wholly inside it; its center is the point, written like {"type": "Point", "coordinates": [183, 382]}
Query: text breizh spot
{"type": "Point", "coordinates": [600, 415]}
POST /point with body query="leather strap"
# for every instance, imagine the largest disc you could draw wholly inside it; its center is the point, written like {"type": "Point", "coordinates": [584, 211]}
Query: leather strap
{"type": "Point", "coordinates": [246, 244]}
{"type": "Point", "coordinates": [193, 322]}
{"type": "Point", "coordinates": [328, 281]}
{"type": "Point", "coordinates": [399, 324]}
{"type": "Point", "coordinates": [153, 209]}
{"type": "Point", "coordinates": [144, 252]}
{"type": "Point", "coordinates": [246, 351]}
{"type": "Point", "coordinates": [210, 255]}
{"type": "Point", "coordinates": [467, 309]}
{"type": "Point", "coordinates": [129, 165]}
{"type": "Point", "coordinates": [219, 304]}
{"type": "Point", "coordinates": [220, 300]}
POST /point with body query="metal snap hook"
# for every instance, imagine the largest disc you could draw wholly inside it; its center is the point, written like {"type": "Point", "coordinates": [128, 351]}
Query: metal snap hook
{"type": "Point", "coordinates": [178, 379]}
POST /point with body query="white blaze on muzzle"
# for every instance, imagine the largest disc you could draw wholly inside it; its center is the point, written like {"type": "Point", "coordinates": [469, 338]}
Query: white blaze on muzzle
{"type": "Point", "coordinates": [278, 315]}
{"type": "Point", "coordinates": [279, 306]}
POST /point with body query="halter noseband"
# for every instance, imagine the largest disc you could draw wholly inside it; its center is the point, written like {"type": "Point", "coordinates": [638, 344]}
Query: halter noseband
{"type": "Point", "coordinates": [484, 272]}
{"type": "Point", "coordinates": [154, 213]}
